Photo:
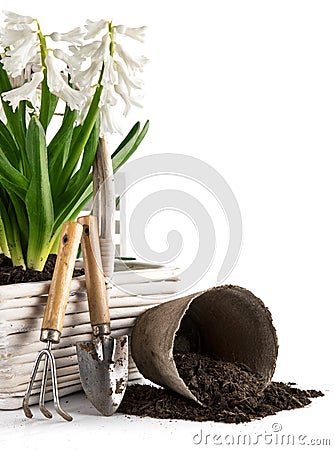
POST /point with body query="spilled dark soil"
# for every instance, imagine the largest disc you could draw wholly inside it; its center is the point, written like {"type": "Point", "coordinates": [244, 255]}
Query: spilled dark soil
{"type": "Point", "coordinates": [228, 392]}
{"type": "Point", "coordinates": [11, 275]}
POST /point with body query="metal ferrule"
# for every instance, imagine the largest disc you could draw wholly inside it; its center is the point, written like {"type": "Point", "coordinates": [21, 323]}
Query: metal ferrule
{"type": "Point", "coordinates": [50, 336]}
{"type": "Point", "coordinates": [101, 329]}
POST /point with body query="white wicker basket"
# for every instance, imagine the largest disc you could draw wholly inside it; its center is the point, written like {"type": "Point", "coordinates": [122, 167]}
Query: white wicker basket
{"type": "Point", "coordinates": [21, 311]}
{"type": "Point", "coordinates": [133, 288]}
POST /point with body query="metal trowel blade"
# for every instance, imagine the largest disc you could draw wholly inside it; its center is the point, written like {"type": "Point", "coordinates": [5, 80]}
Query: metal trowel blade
{"type": "Point", "coordinates": [103, 366]}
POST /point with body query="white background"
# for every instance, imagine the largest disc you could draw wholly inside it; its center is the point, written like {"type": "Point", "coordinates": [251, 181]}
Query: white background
{"type": "Point", "coordinates": [247, 86]}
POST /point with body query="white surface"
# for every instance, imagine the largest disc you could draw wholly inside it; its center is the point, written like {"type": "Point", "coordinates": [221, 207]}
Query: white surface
{"type": "Point", "coordinates": [248, 87]}
{"type": "Point", "coordinates": [125, 432]}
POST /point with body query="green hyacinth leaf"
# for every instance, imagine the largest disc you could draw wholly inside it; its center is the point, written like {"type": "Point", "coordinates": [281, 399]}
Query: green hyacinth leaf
{"type": "Point", "coordinates": [38, 199]}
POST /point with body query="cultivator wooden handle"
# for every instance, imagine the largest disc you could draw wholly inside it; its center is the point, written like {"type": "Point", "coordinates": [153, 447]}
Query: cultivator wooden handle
{"type": "Point", "coordinates": [59, 291]}
{"type": "Point", "coordinates": [95, 280]}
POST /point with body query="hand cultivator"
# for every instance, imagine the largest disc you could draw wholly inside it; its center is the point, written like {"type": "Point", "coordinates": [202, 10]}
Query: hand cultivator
{"type": "Point", "coordinates": [53, 320]}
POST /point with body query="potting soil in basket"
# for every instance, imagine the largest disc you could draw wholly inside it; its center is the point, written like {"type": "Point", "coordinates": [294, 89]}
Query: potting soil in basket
{"type": "Point", "coordinates": [10, 274]}
{"type": "Point", "coordinates": [229, 393]}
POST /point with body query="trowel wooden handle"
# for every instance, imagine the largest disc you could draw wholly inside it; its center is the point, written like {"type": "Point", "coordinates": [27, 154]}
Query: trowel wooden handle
{"type": "Point", "coordinates": [59, 291]}
{"type": "Point", "coordinates": [95, 281]}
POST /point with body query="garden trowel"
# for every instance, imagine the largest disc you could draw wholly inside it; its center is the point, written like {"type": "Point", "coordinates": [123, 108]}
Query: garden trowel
{"type": "Point", "coordinates": [103, 361]}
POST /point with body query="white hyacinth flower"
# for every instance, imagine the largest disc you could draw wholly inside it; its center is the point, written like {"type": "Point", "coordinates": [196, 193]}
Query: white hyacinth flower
{"type": "Point", "coordinates": [86, 78]}
{"type": "Point", "coordinates": [15, 19]}
{"type": "Point", "coordinates": [128, 100]}
{"type": "Point", "coordinates": [84, 51]}
{"type": "Point", "coordinates": [72, 63]}
{"type": "Point", "coordinates": [108, 122]}
{"type": "Point", "coordinates": [35, 65]}
{"type": "Point", "coordinates": [21, 43]}
{"type": "Point", "coordinates": [133, 63]}
{"type": "Point", "coordinates": [125, 97]}
{"type": "Point", "coordinates": [95, 52]}
{"type": "Point", "coordinates": [3, 117]}
{"type": "Point", "coordinates": [85, 56]}
{"type": "Point", "coordinates": [20, 55]}
{"type": "Point", "coordinates": [109, 79]}
{"type": "Point", "coordinates": [82, 113]}
{"type": "Point", "coordinates": [102, 52]}
{"type": "Point", "coordinates": [74, 36]}
{"type": "Point", "coordinates": [58, 86]}
{"type": "Point", "coordinates": [110, 74]}
{"type": "Point", "coordinates": [120, 74]}
{"type": "Point", "coordinates": [95, 28]}
{"type": "Point", "coordinates": [12, 36]}
{"type": "Point", "coordinates": [108, 98]}
{"type": "Point", "coordinates": [134, 33]}
{"type": "Point", "coordinates": [28, 91]}
{"type": "Point", "coordinates": [130, 82]}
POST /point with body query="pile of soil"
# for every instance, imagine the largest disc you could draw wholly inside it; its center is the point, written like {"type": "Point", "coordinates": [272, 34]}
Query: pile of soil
{"type": "Point", "coordinates": [229, 393]}
{"type": "Point", "coordinates": [11, 275]}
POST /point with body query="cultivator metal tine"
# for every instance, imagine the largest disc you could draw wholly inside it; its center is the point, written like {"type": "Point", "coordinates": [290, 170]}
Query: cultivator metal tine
{"type": "Point", "coordinates": [42, 407]}
{"type": "Point", "coordinates": [56, 403]}
{"type": "Point", "coordinates": [49, 359]}
{"type": "Point", "coordinates": [25, 404]}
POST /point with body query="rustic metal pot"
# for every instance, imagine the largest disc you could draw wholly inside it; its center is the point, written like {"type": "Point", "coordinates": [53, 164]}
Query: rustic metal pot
{"type": "Point", "coordinates": [226, 322]}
